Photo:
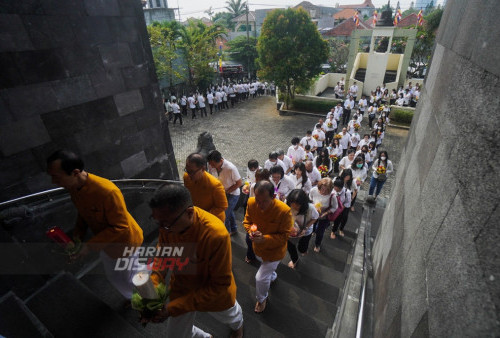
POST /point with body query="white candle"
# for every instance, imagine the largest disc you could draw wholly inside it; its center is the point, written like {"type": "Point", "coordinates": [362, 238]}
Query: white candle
{"type": "Point", "coordinates": [144, 285]}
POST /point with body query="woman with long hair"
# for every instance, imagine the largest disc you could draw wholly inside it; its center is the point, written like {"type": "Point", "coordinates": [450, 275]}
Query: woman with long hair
{"type": "Point", "coordinates": [323, 158]}
{"type": "Point", "coordinates": [304, 215]}
{"type": "Point", "coordinates": [358, 169]}
{"type": "Point", "coordinates": [325, 203]}
{"type": "Point", "coordinates": [382, 167]}
{"type": "Point", "coordinates": [300, 178]}
{"type": "Point", "coordinates": [336, 151]}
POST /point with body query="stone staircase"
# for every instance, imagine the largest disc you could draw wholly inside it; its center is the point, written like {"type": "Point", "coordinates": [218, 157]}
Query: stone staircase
{"type": "Point", "coordinates": [77, 300]}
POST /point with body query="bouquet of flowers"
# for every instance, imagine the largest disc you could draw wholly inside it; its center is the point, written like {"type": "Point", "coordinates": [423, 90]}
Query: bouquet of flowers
{"type": "Point", "coordinates": [334, 158]}
{"type": "Point", "coordinates": [318, 206]}
{"type": "Point", "coordinates": [356, 126]}
{"type": "Point", "coordinates": [381, 169]}
{"type": "Point", "coordinates": [380, 108]}
{"type": "Point", "coordinates": [338, 136]}
{"type": "Point", "coordinates": [329, 125]}
{"type": "Point", "coordinates": [323, 170]}
{"type": "Point", "coordinates": [316, 137]}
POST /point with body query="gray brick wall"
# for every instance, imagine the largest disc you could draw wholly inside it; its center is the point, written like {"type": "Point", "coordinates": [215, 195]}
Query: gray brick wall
{"type": "Point", "coordinates": [436, 256]}
{"type": "Point", "coordinates": [79, 75]}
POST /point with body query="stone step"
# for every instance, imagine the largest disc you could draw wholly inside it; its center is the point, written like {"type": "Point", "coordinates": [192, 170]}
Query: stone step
{"type": "Point", "coordinates": [16, 320]}
{"type": "Point", "coordinates": [68, 308]}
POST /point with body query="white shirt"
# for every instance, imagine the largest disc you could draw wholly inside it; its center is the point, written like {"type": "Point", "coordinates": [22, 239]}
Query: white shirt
{"type": "Point", "coordinates": [268, 165]}
{"type": "Point", "coordinates": [349, 104]}
{"type": "Point", "coordinates": [316, 197]}
{"type": "Point", "coordinates": [363, 142]}
{"type": "Point", "coordinates": [367, 156]}
{"type": "Point", "coordinates": [331, 122]}
{"type": "Point", "coordinates": [354, 139]}
{"type": "Point", "coordinates": [314, 175]}
{"type": "Point", "coordinates": [321, 136]}
{"type": "Point", "coordinates": [362, 104]}
{"type": "Point", "coordinates": [191, 102]}
{"type": "Point", "coordinates": [337, 151]}
{"type": "Point", "coordinates": [359, 174]}
{"type": "Point", "coordinates": [311, 141]}
{"type": "Point", "coordinates": [288, 163]}
{"type": "Point", "coordinates": [400, 101]}
{"type": "Point", "coordinates": [183, 101]}
{"type": "Point", "coordinates": [201, 101]}
{"type": "Point", "coordinates": [210, 98]}
{"type": "Point", "coordinates": [389, 168]}
{"type": "Point", "coordinates": [298, 184]}
{"type": "Point", "coordinates": [309, 156]}
{"type": "Point", "coordinates": [218, 97]}
{"type": "Point", "coordinates": [337, 113]}
{"type": "Point", "coordinates": [175, 108]}
{"type": "Point", "coordinates": [354, 90]}
{"type": "Point", "coordinates": [344, 141]}
{"type": "Point", "coordinates": [345, 162]}
{"type": "Point", "coordinates": [311, 214]}
{"type": "Point", "coordinates": [284, 186]}
{"type": "Point", "coordinates": [297, 155]}
{"type": "Point", "coordinates": [228, 175]}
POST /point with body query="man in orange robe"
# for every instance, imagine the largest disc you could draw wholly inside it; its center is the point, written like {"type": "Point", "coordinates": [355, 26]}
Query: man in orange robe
{"type": "Point", "coordinates": [206, 283]}
{"type": "Point", "coordinates": [207, 192]}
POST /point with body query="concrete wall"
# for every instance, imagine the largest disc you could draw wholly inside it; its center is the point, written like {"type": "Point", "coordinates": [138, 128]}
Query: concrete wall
{"type": "Point", "coordinates": [78, 74]}
{"type": "Point", "coordinates": [436, 257]}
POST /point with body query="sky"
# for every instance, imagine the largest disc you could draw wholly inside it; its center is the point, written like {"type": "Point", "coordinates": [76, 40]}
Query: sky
{"type": "Point", "coordinates": [196, 8]}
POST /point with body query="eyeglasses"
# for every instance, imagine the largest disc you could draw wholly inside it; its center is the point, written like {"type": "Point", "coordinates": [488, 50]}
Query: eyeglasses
{"type": "Point", "coordinates": [193, 172]}
{"type": "Point", "coordinates": [164, 224]}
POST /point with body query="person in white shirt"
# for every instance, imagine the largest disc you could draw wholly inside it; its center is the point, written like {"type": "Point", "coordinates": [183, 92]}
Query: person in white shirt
{"type": "Point", "coordinates": [331, 127]}
{"type": "Point", "coordinates": [364, 141]}
{"type": "Point", "coordinates": [377, 181]}
{"type": "Point", "coordinates": [309, 140]}
{"type": "Point", "coordinates": [364, 150]}
{"type": "Point", "coordinates": [313, 173]}
{"type": "Point", "coordinates": [232, 95]}
{"type": "Point", "coordinates": [336, 151]}
{"type": "Point", "coordinates": [273, 160]}
{"type": "Point", "coordinates": [346, 161]}
{"type": "Point", "coordinates": [344, 195]}
{"type": "Point", "coordinates": [304, 215]}
{"type": "Point", "coordinates": [407, 98]}
{"type": "Point", "coordinates": [218, 100]}
{"type": "Point", "coordinates": [319, 135]}
{"type": "Point", "coordinates": [325, 203]}
{"type": "Point", "coordinates": [401, 100]}
{"type": "Point", "coordinates": [230, 178]}
{"type": "Point", "coordinates": [359, 174]}
{"type": "Point", "coordinates": [330, 113]}
{"type": "Point", "coordinates": [323, 159]}
{"type": "Point", "coordinates": [348, 106]}
{"type": "Point", "coordinates": [210, 99]}
{"type": "Point", "coordinates": [201, 104]}
{"type": "Point", "coordinates": [336, 89]}
{"type": "Point", "coordinates": [372, 114]}
{"type": "Point", "coordinates": [372, 150]}
{"type": "Point", "coordinates": [321, 122]}
{"type": "Point", "coordinates": [296, 152]}
{"type": "Point", "coordinates": [283, 184]}
{"type": "Point", "coordinates": [339, 111]}
{"type": "Point", "coordinates": [342, 82]}
{"type": "Point", "coordinates": [286, 160]}
{"type": "Point", "coordinates": [393, 97]}
{"type": "Point", "coordinates": [184, 105]}
{"type": "Point", "coordinates": [224, 100]}
{"type": "Point", "coordinates": [351, 126]}
{"type": "Point", "coordinates": [176, 110]}
{"type": "Point", "coordinates": [345, 141]}
{"type": "Point", "coordinates": [300, 179]}
{"type": "Point", "coordinates": [362, 104]}
{"type": "Point", "coordinates": [252, 167]}
{"type": "Point", "coordinates": [353, 91]}
{"type": "Point", "coordinates": [192, 105]}
{"type": "Point", "coordinates": [355, 138]}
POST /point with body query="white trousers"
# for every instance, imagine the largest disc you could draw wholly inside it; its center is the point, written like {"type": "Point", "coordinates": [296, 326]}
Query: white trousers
{"type": "Point", "coordinates": [183, 325]}
{"type": "Point", "coordinates": [265, 275]}
{"type": "Point", "coordinates": [121, 279]}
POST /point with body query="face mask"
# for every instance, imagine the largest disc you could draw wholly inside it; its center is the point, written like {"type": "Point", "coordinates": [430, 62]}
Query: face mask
{"type": "Point", "coordinates": [359, 165]}
{"type": "Point", "coordinates": [383, 158]}
{"type": "Point", "coordinates": [273, 162]}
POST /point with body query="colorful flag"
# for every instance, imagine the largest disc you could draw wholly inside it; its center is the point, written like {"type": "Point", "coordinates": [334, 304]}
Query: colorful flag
{"type": "Point", "coordinates": [375, 18]}
{"type": "Point", "coordinates": [420, 18]}
{"type": "Point", "coordinates": [356, 18]}
{"type": "Point", "coordinates": [397, 17]}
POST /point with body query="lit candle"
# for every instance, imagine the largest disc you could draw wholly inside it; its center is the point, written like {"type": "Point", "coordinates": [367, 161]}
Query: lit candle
{"type": "Point", "coordinates": [253, 228]}
{"type": "Point", "coordinates": [144, 285]}
{"type": "Point", "coordinates": [58, 236]}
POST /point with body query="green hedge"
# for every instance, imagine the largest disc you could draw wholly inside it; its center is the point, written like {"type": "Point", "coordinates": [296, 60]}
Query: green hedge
{"type": "Point", "coordinates": [401, 115]}
{"type": "Point", "coordinates": [305, 104]}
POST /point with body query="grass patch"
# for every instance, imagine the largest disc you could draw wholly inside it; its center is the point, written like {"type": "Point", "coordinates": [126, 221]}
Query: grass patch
{"type": "Point", "coordinates": [401, 115]}
{"type": "Point", "coordinates": [316, 106]}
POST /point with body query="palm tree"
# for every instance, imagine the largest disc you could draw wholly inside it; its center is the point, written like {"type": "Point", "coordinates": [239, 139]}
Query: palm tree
{"type": "Point", "coordinates": [236, 7]}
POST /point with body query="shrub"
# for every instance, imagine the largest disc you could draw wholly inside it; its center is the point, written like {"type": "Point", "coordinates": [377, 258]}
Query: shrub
{"type": "Point", "coordinates": [401, 115]}
{"type": "Point", "coordinates": [305, 104]}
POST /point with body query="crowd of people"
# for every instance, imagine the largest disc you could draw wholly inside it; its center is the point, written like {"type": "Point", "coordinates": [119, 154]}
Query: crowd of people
{"type": "Point", "coordinates": [214, 99]}
{"type": "Point", "coordinates": [296, 194]}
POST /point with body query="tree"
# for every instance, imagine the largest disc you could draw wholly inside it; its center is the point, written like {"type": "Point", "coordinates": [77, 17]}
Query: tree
{"type": "Point", "coordinates": [164, 39]}
{"type": "Point", "coordinates": [244, 52]}
{"type": "Point", "coordinates": [224, 19]}
{"type": "Point", "coordinates": [291, 50]}
{"type": "Point", "coordinates": [339, 54]}
{"type": "Point", "coordinates": [236, 8]}
{"type": "Point", "coordinates": [199, 48]}
{"type": "Point", "coordinates": [432, 20]}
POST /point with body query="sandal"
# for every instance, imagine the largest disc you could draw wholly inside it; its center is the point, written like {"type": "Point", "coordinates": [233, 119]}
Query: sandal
{"type": "Point", "coordinates": [316, 249]}
{"type": "Point", "coordinates": [260, 307]}
{"type": "Point", "coordinates": [332, 235]}
{"type": "Point", "coordinates": [341, 233]}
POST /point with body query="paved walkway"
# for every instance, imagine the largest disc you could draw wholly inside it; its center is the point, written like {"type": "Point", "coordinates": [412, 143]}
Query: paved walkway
{"type": "Point", "coordinates": [254, 128]}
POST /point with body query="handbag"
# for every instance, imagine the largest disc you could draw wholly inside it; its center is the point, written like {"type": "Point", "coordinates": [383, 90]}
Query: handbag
{"type": "Point", "coordinates": [333, 216]}
{"type": "Point", "coordinates": [382, 177]}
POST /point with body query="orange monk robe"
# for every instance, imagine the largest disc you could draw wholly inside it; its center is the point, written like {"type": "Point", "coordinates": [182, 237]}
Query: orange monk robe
{"type": "Point", "coordinates": [101, 207]}
{"type": "Point", "coordinates": [208, 193]}
{"type": "Point", "coordinates": [212, 288]}
{"type": "Point", "coordinates": [275, 223]}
